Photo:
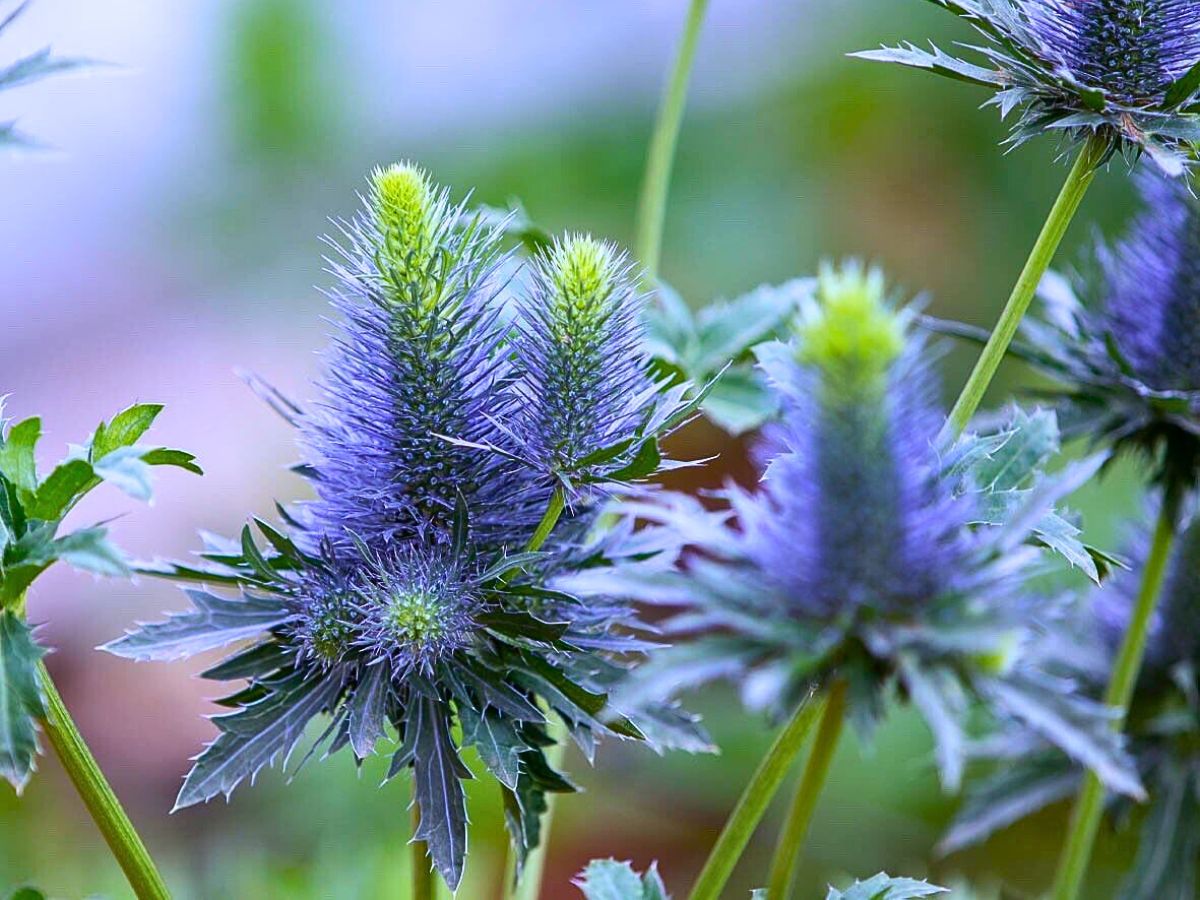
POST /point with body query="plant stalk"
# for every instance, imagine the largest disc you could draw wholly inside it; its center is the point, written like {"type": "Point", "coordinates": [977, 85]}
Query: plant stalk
{"type": "Point", "coordinates": [1073, 190]}
{"type": "Point", "coordinates": [795, 828]}
{"type": "Point", "coordinates": [422, 870]}
{"type": "Point", "coordinates": [1089, 807]}
{"type": "Point", "coordinates": [97, 795]}
{"type": "Point", "coordinates": [753, 802]}
{"type": "Point", "coordinates": [530, 886]}
{"type": "Point", "coordinates": [652, 205]}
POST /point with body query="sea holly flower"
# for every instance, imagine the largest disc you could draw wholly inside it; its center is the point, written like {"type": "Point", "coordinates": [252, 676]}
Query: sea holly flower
{"type": "Point", "coordinates": [32, 509]}
{"type": "Point", "coordinates": [26, 70]}
{"type": "Point", "coordinates": [408, 597]}
{"type": "Point", "coordinates": [1125, 70]}
{"type": "Point", "coordinates": [1123, 342]}
{"type": "Point", "coordinates": [1162, 725]}
{"type": "Point", "coordinates": [867, 558]}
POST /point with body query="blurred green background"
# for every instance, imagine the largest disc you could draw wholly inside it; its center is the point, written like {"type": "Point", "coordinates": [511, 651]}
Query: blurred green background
{"type": "Point", "coordinates": [174, 235]}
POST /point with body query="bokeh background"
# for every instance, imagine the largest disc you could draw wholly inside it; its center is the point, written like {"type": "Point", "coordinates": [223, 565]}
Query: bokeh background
{"type": "Point", "coordinates": [172, 235]}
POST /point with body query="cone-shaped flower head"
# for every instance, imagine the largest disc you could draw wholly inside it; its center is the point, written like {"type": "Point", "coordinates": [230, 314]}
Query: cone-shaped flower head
{"type": "Point", "coordinates": [866, 555]}
{"type": "Point", "coordinates": [405, 597]}
{"type": "Point", "coordinates": [414, 366]}
{"type": "Point", "coordinates": [1128, 357]}
{"type": "Point", "coordinates": [1126, 69]}
{"type": "Point", "coordinates": [587, 410]}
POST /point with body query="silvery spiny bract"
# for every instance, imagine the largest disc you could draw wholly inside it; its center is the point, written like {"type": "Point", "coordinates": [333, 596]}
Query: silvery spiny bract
{"type": "Point", "coordinates": [1128, 357]}
{"type": "Point", "coordinates": [410, 593]}
{"type": "Point", "coordinates": [1162, 725]}
{"type": "Point", "coordinates": [867, 557]}
{"type": "Point", "coordinates": [1127, 70]}
{"type": "Point", "coordinates": [32, 510]}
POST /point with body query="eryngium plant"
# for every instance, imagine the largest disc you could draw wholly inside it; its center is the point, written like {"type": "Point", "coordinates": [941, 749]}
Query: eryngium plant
{"type": "Point", "coordinates": [868, 558]}
{"type": "Point", "coordinates": [1126, 70]}
{"type": "Point", "coordinates": [32, 509]}
{"type": "Point", "coordinates": [410, 594]}
{"type": "Point", "coordinates": [1127, 358]}
{"type": "Point", "coordinates": [1162, 725]}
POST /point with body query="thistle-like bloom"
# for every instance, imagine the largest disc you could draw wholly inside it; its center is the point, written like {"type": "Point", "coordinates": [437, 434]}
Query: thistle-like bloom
{"type": "Point", "coordinates": [866, 557]}
{"type": "Point", "coordinates": [1128, 358]}
{"type": "Point", "coordinates": [1128, 70]}
{"type": "Point", "coordinates": [406, 595]}
{"type": "Point", "coordinates": [1163, 726]}
{"type": "Point", "coordinates": [416, 362]}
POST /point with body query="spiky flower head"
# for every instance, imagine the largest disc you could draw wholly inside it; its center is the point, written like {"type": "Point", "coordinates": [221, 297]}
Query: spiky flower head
{"type": "Point", "coordinates": [870, 556]}
{"type": "Point", "coordinates": [1126, 70]}
{"type": "Point", "coordinates": [414, 367]}
{"type": "Point", "coordinates": [1162, 724]}
{"type": "Point", "coordinates": [1127, 358]}
{"type": "Point", "coordinates": [587, 410]}
{"type": "Point", "coordinates": [408, 595]}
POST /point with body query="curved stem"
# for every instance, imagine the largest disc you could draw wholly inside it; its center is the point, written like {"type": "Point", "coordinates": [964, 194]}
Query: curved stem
{"type": "Point", "coordinates": [554, 510]}
{"type": "Point", "coordinates": [652, 205]}
{"type": "Point", "coordinates": [753, 803]}
{"type": "Point", "coordinates": [1089, 807]}
{"type": "Point", "coordinates": [98, 796]}
{"type": "Point", "coordinates": [1061, 214]}
{"type": "Point", "coordinates": [422, 871]}
{"type": "Point", "coordinates": [795, 828]}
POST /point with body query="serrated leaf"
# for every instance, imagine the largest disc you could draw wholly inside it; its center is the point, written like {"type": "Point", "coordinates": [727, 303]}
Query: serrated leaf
{"type": "Point", "coordinates": [1033, 440]}
{"type": "Point", "coordinates": [21, 702]}
{"type": "Point", "coordinates": [258, 661]}
{"type": "Point", "coordinates": [437, 789]}
{"type": "Point", "coordinates": [884, 887]}
{"type": "Point", "coordinates": [214, 621]}
{"type": "Point", "coordinates": [367, 710]}
{"type": "Point", "coordinates": [62, 487]}
{"type": "Point", "coordinates": [90, 550]}
{"type": "Point", "coordinates": [1184, 88]}
{"type": "Point", "coordinates": [1010, 795]}
{"type": "Point", "coordinates": [739, 402]}
{"type": "Point", "coordinates": [125, 470]}
{"type": "Point", "coordinates": [942, 704]}
{"type": "Point", "coordinates": [936, 61]}
{"type": "Point", "coordinates": [17, 460]}
{"type": "Point", "coordinates": [607, 879]}
{"type": "Point", "coordinates": [496, 740]}
{"type": "Point", "coordinates": [254, 737]}
{"type": "Point", "coordinates": [125, 429]}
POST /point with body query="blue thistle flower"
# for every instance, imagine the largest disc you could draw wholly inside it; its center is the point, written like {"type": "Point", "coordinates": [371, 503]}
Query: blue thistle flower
{"type": "Point", "coordinates": [871, 555]}
{"type": "Point", "coordinates": [1162, 725]}
{"type": "Point", "coordinates": [1128, 70]}
{"type": "Point", "coordinates": [1127, 358]}
{"type": "Point", "coordinates": [415, 364]}
{"type": "Point", "coordinates": [408, 595]}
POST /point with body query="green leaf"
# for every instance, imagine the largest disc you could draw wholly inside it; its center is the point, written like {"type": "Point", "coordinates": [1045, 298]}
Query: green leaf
{"type": "Point", "coordinates": [1033, 440]}
{"type": "Point", "coordinates": [607, 879]}
{"type": "Point", "coordinates": [17, 462]}
{"type": "Point", "coordinates": [21, 702]}
{"type": "Point", "coordinates": [1184, 88]}
{"type": "Point", "coordinates": [725, 331]}
{"type": "Point", "coordinates": [739, 402]}
{"type": "Point", "coordinates": [165, 456]}
{"type": "Point", "coordinates": [90, 550]}
{"type": "Point", "coordinates": [366, 710]}
{"type": "Point", "coordinates": [125, 429]}
{"type": "Point", "coordinates": [437, 789]}
{"type": "Point", "coordinates": [496, 740]}
{"type": "Point", "coordinates": [884, 887]}
{"type": "Point", "coordinates": [125, 470]}
{"type": "Point", "coordinates": [26, 893]}
{"type": "Point", "coordinates": [57, 494]}
{"type": "Point", "coordinates": [934, 60]}
{"type": "Point", "coordinates": [35, 66]}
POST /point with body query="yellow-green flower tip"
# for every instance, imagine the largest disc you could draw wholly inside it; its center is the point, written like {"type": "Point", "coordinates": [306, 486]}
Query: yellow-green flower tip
{"type": "Point", "coordinates": [415, 617]}
{"type": "Point", "coordinates": [1001, 660]}
{"type": "Point", "coordinates": [850, 327]}
{"type": "Point", "coordinates": [582, 269]}
{"type": "Point", "coordinates": [403, 199]}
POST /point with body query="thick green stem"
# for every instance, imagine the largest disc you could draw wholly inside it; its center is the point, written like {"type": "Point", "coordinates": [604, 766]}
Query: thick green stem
{"type": "Point", "coordinates": [753, 803]}
{"type": "Point", "coordinates": [795, 829]}
{"type": "Point", "coordinates": [422, 871]}
{"type": "Point", "coordinates": [98, 796]}
{"type": "Point", "coordinates": [1089, 807]}
{"type": "Point", "coordinates": [558, 502]}
{"type": "Point", "coordinates": [652, 206]}
{"type": "Point", "coordinates": [1061, 214]}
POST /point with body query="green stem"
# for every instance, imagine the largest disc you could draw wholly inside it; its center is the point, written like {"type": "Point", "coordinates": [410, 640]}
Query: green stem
{"type": "Point", "coordinates": [98, 796]}
{"type": "Point", "coordinates": [422, 871]}
{"type": "Point", "coordinates": [753, 803]}
{"type": "Point", "coordinates": [795, 829]}
{"type": "Point", "coordinates": [1061, 214]}
{"type": "Point", "coordinates": [558, 502]}
{"type": "Point", "coordinates": [652, 206]}
{"type": "Point", "coordinates": [1089, 807]}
